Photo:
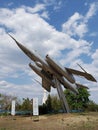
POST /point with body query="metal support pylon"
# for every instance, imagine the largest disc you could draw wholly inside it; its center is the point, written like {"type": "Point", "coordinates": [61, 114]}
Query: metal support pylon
{"type": "Point", "coordinates": [62, 97]}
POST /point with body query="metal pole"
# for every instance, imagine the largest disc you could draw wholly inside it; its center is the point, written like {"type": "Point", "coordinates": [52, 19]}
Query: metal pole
{"type": "Point", "coordinates": [62, 97]}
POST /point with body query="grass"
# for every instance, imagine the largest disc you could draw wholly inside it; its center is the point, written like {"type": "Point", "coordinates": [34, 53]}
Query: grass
{"type": "Point", "coordinates": [88, 121]}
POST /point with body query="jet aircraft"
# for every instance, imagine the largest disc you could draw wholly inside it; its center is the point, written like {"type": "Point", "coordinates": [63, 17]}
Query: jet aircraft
{"type": "Point", "coordinates": [50, 71]}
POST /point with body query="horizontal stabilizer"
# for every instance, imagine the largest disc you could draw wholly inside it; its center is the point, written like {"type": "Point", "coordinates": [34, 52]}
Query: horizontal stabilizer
{"type": "Point", "coordinates": [81, 86]}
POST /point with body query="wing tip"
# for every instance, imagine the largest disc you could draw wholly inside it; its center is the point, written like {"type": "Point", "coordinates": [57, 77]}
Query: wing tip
{"type": "Point", "coordinates": [90, 77]}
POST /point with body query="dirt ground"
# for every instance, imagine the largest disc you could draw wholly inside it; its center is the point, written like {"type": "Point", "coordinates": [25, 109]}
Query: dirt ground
{"type": "Point", "coordinates": [83, 121]}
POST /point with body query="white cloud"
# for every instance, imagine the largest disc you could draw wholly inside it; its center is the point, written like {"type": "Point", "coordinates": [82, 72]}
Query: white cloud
{"type": "Point", "coordinates": [29, 28]}
{"type": "Point", "coordinates": [37, 30]}
{"type": "Point", "coordinates": [50, 2]}
{"type": "Point", "coordinates": [36, 34]}
{"type": "Point", "coordinates": [95, 61]}
{"type": "Point", "coordinates": [95, 55]}
{"type": "Point", "coordinates": [10, 4]}
{"type": "Point", "coordinates": [92, 11]}
{"type": "Point", "coordinates": [21, 91]}
{"type": "Point", "coordinates": [57, 4]}
{"type": "Point", "coordinates": [80, 47]}
{"type": "Point", "coordinates": [93, 34]}
{"type": "Point", "coordinates": [94, 89]}
{"type": "Point", "coordinates": [37, 8]}
{"type": "Point", "coordinates": [45, 15]}
{"type": "Point", "coordinates": [94, 96]}
{"type": "Point", "coordinates": [85, 3]}
{"type": "Point", "coordinates": [77, 25]}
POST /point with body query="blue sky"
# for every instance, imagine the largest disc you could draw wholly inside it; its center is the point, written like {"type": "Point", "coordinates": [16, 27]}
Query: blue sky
{"type": "Point", "coordinates": [66, 30]}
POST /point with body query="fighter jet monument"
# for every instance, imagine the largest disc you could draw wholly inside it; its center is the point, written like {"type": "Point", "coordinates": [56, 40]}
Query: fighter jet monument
{"type": "Point", "coordinates": [55, 75]}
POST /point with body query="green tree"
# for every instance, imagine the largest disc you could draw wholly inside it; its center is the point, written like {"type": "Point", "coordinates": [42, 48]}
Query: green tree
{"type": "Point", "coordinates": [56, 104]}
{"type": "Point", "coordinates": [52, 104]}
{"type": "Point", "coordinates": [49, 103]}
{"type": "Point", "coordinates": [18, 104]}
{"type": "Point", "coordinates": [6, 100]}
{"type": "Point", "coordinates": [26, 105]}
{"type": "Point", "coordinates": [92, 106]}
{"type": "Point", "coordinates": [43, 109]}
{"type": "Point", "coordinates": [77, 101]}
